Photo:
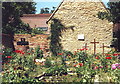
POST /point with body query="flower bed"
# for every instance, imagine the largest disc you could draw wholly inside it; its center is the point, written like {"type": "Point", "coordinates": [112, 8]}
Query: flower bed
{"type": "Point", "coordinates": [31, 66]}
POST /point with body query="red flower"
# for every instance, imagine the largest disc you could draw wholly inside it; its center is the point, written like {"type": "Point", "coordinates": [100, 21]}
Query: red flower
{"type": "Point", "coordinates": [29, 53]}
{"type": "Point", "coordinates": [81, 49]}
{"type": "Point", "coordinates": [85, 49]}
{"type": "Point", "coordinates": [106, 66]}
{"type": "Point", "coordinates": [75, 52]}
{"type": "Point", "coordinates": [108, 57]}
{"type": "Point", "coordinates": [97, 57]}
{"type": "Point", "coordinates": [75, 65]}
{"type": "Point", "coordinates": [81, 64]}
{"type": "Point", "coordinates": [22, 53]}
{"type": "Point", "coordinates": [19, 51]}
{"type": "Point", "coordinates": [60, 53]}
{"type": "Point", "coordinates": [115, 54]}
{"type": "Point", "coordinates": [15, 68]}
{"type": "Point", "coordinates": [9, 57]}
{"type": "Point", "coordinates": [41, 48]}
{"type": "Point", "coordinates": [108, 54]}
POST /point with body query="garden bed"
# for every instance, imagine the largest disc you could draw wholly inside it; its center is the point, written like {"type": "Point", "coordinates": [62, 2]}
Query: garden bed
{"type": "Point", "coordinates": [31, 66]}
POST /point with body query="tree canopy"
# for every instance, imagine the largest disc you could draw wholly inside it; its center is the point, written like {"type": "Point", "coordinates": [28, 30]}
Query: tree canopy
{"type": "Point", "coordinates": [113, 14]}
{"type": "Point", "coordinates": [47, 10]}
{"type": "Point", "coordinates": [11, 12]}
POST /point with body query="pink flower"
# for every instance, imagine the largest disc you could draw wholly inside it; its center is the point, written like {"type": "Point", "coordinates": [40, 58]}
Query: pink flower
{"type": "Point", "coordinates": [117, 64]}
{"type": "Point", "coordinates": [95, 67]}
{"type": "Point", "coordinates": [114, 67]}
{"type": "Point", "coordinates": [97, 57]}
{"type": "Point", "coordinates": [101, 66]}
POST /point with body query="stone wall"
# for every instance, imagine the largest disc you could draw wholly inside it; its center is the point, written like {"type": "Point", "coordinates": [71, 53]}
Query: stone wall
{"type": "Point", "coordinates": [83, 17]}
{"type": "Point", "coordinates": [34, 41]}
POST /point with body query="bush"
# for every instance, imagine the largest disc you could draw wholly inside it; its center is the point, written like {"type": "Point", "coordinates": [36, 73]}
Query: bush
{"type": "Point", "coordinates": [47, 63]}
{"type": "Point", "coordinates": [38, 53]}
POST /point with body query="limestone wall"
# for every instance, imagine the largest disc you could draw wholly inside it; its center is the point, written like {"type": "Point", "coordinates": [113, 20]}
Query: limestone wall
{"type": "Point", "coordinates": [83, 16]}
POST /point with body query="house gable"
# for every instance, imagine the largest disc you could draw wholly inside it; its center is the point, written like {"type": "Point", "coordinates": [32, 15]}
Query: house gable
{"type": "Point", "coordinates": [83, 17]}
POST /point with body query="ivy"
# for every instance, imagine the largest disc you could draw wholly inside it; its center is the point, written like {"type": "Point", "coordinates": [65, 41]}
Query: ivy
{"type": "Point", "coordinates": [56, 29]}
{"type": "Point", "coordinates": [56, 34]}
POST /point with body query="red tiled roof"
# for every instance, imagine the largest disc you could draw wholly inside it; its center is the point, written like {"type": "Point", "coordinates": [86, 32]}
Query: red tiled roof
{"type": "Point", "coordinates": [36, 15]}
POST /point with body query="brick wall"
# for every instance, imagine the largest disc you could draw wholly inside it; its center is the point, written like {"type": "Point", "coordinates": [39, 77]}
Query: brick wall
{"type": "Point", "coordinates": [34, 41]}
{"type": "Point", "coordinates": [36, 20]}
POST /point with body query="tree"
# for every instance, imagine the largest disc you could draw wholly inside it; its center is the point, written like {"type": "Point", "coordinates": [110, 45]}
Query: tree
{"type": "Point", "coordinates": [44, 10]}
{"type": "Point", "coordinates": [113, 14]}
{"type": "Point", "coordinates": [53, 9]}
{"type": "Point", "coordinates": [47, 10]}
{"type": "Point", "coordinates": [11, 22]}
{"type": "Point", "coordinates": [11, 12]}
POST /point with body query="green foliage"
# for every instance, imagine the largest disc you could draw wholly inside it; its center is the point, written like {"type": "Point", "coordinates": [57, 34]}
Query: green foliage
{"type": "Point", "coordinates": [22, 69]}
{"type": "Point", "coordinates": [47, 63]}
{"type": "Point", "coordinates": [19, 68]}
{"type": "Point", "coordinates": [12, 11]}
{"type": "Point", "coordinates": [56, 29]}
{"type": "Point", "coordinates": [113, 14]}
{"type": "Point", "coordinates": [46, 10]}
{"type": "Point", "coordinates": [56, 34]}
{"type": "Point", "coordinates": [6, 52]}
{"type": "Point", "coordinates": [38, 52]}
{"type": "Point", "coordinates": [82, 56]}
{"type": "Point", "coordinates": [57, 70]}
{"type": "Point", "coordinates": [36, 31]}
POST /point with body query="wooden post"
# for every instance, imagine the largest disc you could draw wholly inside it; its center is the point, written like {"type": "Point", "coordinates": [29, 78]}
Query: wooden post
{"type": "Point", "coordinates": [85, 47]}
{"type": "Point", "coordinates": [103, 49]}
{"type": "Point", "coordinates": [94, 46]}
{"type": "Point", "coordinates": [103, 46]}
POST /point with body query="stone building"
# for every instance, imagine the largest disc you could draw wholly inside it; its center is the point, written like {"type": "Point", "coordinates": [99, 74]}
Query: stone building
{"type": "Point", "coordinates": [86, 26]}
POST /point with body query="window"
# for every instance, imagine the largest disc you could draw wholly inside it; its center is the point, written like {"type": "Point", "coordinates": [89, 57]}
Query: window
{"type": "Point", "coordinates": [42, 28]}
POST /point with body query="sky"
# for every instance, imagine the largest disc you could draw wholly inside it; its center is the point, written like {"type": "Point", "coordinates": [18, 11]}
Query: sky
{"type": "Point", "coordinates": [51, 3]}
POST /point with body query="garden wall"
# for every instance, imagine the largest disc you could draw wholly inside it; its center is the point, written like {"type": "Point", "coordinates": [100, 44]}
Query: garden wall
{"type": "Point", "coordinates": [34, 41]}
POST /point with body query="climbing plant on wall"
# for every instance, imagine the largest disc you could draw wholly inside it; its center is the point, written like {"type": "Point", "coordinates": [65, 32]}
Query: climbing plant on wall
{"type": "Point", "coordinates": [56, 34]}
{"type": "Point", "coordinates": [56, 29]}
